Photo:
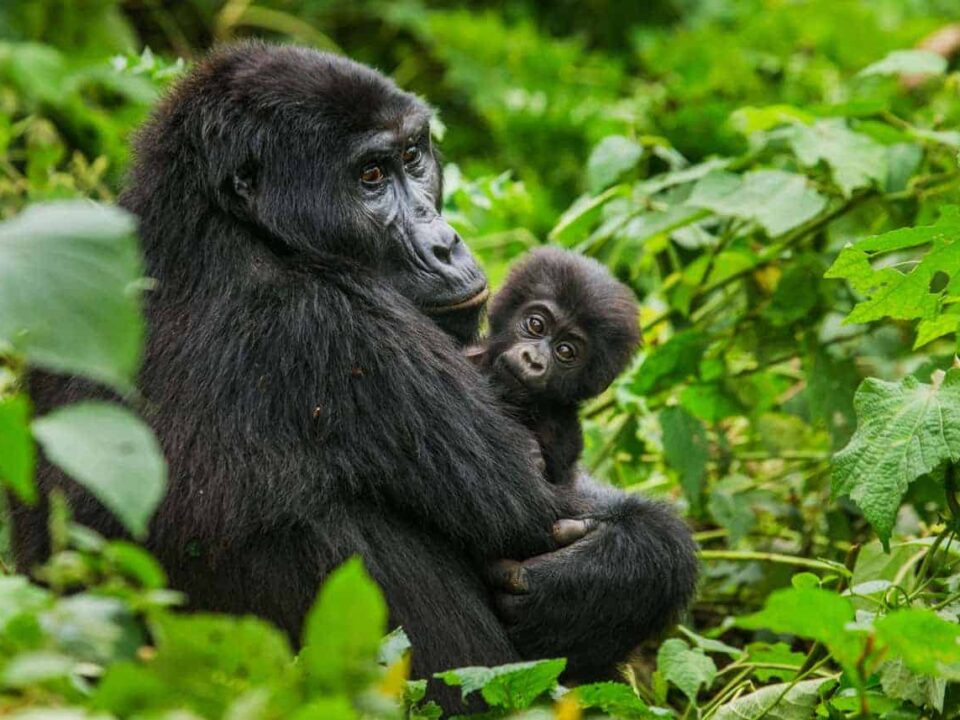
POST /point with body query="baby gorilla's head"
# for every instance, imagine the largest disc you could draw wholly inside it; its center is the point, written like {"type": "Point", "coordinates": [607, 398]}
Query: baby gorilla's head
{"type": "Point", "coordinates": [561, 328]}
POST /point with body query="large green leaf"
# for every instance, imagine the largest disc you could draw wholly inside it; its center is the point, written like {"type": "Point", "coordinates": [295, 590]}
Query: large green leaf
{"type": "Point", "coordinates": [811, 613]}
{"type": "Point", "coordinates": [206, 660]}
{"type": "Point", "coordinates": [925, 642]}
{"type": "Point", "coordinates": [343, 630]}
{"type": "Point", "coordinates": [855, 160]}
{"type": "Point", "coordinates": [687, 668]}
{"type": "Point", "coordinates": [777, 201]}
{"type": "Point", "coordinates": [111, 452]}
{"type": "Point", "coordinates": [905, 430]}
{"type": "Point", "coordinates": [918, 293]}
{"type": "Point", "coordinates": [69, 299]}
{"type": "Point", "coordinates": [513, 686]}
{"type": "Point", "coordinates": [16, 447]}
{"type": "Point", "coordinates": [785, 701]}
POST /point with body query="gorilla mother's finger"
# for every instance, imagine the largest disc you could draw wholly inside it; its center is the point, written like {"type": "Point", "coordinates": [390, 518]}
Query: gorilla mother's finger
{"type": "Point", "coordinates": [508, 575]}
{"type": "Point", "coordinates": [568, 530]}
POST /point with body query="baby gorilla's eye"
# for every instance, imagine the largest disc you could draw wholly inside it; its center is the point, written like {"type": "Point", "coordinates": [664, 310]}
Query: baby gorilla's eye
{"type": "Point", "coordinates": [372, 175]}
{"type": "Point", "coordinates": [565, 352]}
{"type": "Point", "coordinates": [411, 155]}
{"type": "Point", "coordinates": [535, 325]}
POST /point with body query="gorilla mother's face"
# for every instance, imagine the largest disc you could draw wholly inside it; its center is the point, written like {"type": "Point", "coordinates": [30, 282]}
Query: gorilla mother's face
{"type": "Point", "coordinates": [337, 160]}
{"type": "Point", "coordinates": [398, 184]}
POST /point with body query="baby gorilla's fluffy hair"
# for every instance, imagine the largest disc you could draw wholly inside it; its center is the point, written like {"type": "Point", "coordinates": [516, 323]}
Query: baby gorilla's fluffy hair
{"type": "Point", "coordinates": [561, 329]}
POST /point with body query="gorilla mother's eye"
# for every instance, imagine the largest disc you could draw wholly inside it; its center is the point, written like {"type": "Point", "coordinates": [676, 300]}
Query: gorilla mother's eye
{"type": "Point", "coordinates": [535, 325]}
{"type": "Point", "coordinates": [411, 156]}
{"type": "Point", "coordinates": [565, 352]}
{"type": "Point", "coordinates": [372, 175]}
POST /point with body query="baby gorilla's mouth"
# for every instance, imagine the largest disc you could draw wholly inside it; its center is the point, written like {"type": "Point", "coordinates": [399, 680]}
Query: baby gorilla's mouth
{"type": "Point", "coordinates": [472, 301]}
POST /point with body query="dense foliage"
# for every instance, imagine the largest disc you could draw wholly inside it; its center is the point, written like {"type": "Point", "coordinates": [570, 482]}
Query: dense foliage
{"type": "Point", "coordinates": [779, 183]}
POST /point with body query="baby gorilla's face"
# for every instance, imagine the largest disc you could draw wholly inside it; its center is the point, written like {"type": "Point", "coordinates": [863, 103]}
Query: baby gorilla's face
{"type": "Point", "coordinates": [543, 352]}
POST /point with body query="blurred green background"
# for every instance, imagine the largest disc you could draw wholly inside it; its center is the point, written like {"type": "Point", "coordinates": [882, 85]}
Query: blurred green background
{"type": "Point", "coordinates": [718, 155]}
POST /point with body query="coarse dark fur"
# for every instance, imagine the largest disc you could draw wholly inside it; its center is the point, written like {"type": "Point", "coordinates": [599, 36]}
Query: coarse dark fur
{"type": "Point", "coordinates": [581, 305]}
{"type": "Point", "coordinates": [309, 408]}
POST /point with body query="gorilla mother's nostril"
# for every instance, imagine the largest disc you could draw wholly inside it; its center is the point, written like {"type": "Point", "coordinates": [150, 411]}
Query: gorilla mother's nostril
{"type": "Point", "coordinates": [442, 253]}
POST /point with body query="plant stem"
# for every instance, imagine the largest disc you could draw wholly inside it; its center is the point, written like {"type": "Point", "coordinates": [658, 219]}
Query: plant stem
{"type": "Point", "coordinates": [824, 565]}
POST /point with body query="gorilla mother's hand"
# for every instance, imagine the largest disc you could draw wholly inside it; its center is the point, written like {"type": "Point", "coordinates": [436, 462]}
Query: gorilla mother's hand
{"type": "Point", "coordinates": [622, 573]}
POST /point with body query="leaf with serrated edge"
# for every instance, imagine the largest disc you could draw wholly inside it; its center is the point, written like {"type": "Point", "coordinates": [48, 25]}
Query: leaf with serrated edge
{"type": "Point", "coordinates": [687, 668]}
{"type": "Point", "coordinates": [904, 295]}
{"type": "Point", "coordinates": [904, 431]}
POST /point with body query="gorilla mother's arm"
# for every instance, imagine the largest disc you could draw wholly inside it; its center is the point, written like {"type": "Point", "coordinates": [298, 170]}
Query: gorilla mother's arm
{"type": "Point", "coordinates": [629, 571]}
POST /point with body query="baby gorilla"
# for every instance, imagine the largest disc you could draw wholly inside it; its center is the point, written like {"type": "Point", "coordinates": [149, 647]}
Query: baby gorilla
{"type": "Point", "coordinates": [561, 329]}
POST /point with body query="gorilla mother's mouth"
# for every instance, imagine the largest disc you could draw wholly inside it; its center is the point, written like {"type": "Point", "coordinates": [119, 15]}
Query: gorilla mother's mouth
{"type": "Point", "coordinates": [457, 305]}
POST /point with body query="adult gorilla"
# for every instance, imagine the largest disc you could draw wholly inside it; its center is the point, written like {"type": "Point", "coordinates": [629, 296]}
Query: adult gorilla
{"type": "Point", "coordinates": [311, 408]}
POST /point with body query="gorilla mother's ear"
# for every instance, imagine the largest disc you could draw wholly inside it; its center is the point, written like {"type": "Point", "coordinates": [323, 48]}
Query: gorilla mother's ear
{"type": "Point", "coordinates": [240, 187]}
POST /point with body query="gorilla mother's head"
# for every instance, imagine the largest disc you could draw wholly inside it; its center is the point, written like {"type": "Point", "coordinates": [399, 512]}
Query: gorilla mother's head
{"type": "Point", "coordinates": [315, 157]}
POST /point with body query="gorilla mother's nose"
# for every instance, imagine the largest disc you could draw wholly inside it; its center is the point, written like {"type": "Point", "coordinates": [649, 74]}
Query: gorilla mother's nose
{"type": "Point", "coordinates": [445, 243]}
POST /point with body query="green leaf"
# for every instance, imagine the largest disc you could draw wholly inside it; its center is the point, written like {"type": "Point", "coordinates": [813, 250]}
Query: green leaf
{"type": "Point", "coordinates": [343, 630]}
{"type": "Point", "coordinates": [136, 563]}
{"type": "Point", "coordinates": [855, 160]}
{"type": "Point", "coordinates": [905, 430]}
{"type": "Point", "coordinates": [17, 457]}
{"type": "Point", "coordinates": [748, 120]}
{"type": "Point", "coordinates": [686, 449]}
{"type": "Point", "coordinates": [68, 296]}
{"type": "Point", "coordinates": [779, 653]}
{"type": "Point", "coordinates": [579, 217]}
{"type": "Point", "coordinates": [614, 698]}
{"type": "Point", "coordinates": [732, 510]}
{"type": "Point", "coordinates": [669, 363]}
{"type": "Point", "coordinates": [797, 293]}
{"type": "Point", "coordinates": [913, 62]}
{"type": "Point", "coordinates": [112, 453]}
{"type": "Point", "coordinates": [612, 157]}
{"type": "Point", "coordinates": [513, 687]}
{"type": "Point", "coordinates": [93, 628]}
{"type": "Point", "coordinates": [798, 702]}
{"type": "Point", "coordinates": [899, 682]}
{"type": "Point", "coordinates": [209, 660]}
{"type": "Point", "coordinates": [926, 643]}
{"type": "Point", "coordinates": [127, 689]}
{"type": "Point", "coordinates": [893, 293]}
{"type": "Point", "coordinates": [777, 201]}
{"type": "Point", "coordinates": [393, 647]}
{"type": "Point", "coordinates": [811, 613]}
{"type": "Point", "coordinates": [18, 595]}
{"type": "Point", "coordinates": [689, 669]}
{"type": "Point", "coordinates": [36, 667]}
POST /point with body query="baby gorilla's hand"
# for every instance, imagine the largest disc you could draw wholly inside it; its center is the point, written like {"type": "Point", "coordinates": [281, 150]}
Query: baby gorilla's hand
{"type": "Point", "coordinates": [513, 578]}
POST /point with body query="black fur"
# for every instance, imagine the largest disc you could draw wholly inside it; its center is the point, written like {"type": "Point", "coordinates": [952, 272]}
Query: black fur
{"type": "Point", "coordinates": [581, 303]}
{"type": "Point", "coordinates": [310, 411]}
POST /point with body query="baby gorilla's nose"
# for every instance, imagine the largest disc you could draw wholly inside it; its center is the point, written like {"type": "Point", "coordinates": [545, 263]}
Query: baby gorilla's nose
{"type": "Point", "coordinates": [533, 362]}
